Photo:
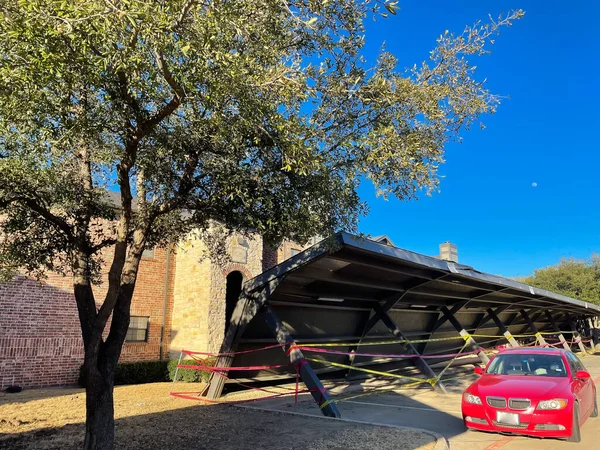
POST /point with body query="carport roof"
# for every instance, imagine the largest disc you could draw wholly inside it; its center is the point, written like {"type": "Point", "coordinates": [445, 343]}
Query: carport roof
{"type": "Point", "coordinates": [348, 271]}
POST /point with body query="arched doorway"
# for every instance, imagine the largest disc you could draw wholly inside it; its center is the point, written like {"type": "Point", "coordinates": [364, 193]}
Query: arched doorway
{"type": "Point", "coordinates": [232, 293]}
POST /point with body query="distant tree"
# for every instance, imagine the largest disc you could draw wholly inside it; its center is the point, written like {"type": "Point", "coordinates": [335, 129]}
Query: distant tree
{"type": "Point", "coordinates": [259, 114]}
{"type": "Point", "coordinates": [577, 278]}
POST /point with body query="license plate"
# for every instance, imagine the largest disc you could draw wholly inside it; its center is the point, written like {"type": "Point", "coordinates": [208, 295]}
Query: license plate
{"type": "Point", "coordinates": [507, 418]}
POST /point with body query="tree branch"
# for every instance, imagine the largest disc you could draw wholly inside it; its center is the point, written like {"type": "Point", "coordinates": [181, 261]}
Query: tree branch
{"type": "Point", "coordinates": [185, 186]}
{"type": "Point", "coordinates": [127, 97]}
{"type": "Point", "coordinates": [44, 212]}
{"type": "Point", "coordinates": [173, 104]}
{"type": "Point", "coordinates": [181, 17]}
{"type": "Point", "coordinates": [120, 253]}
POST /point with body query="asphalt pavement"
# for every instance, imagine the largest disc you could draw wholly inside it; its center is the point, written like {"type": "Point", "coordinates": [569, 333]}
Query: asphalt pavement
{"type": "Point", "coordinates": [425, 409]}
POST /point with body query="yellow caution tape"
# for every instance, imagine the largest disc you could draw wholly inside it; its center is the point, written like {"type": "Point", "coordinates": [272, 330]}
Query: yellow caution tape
{"type": "Point", "coordinates": [375, 372]}
{"type": "Point", "coordinates": [422, 341]}
{"type": "Point", "coordinates": [324, 404]}
{"type": "Point", "coordinates": [361, 344]}
{"type": "Point", "coordinates": [370, 392]}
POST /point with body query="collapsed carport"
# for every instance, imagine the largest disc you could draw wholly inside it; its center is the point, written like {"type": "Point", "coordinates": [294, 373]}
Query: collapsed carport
{"type": "Point", "coordinates": [348, 293]}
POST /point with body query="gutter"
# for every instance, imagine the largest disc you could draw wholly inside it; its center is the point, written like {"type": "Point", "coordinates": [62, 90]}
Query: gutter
{"type": "Point", "coordinates": [165, 297]}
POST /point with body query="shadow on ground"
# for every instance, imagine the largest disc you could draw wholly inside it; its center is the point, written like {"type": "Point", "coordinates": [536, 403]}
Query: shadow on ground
{"type": "Point", "coordinates": [227, 427]}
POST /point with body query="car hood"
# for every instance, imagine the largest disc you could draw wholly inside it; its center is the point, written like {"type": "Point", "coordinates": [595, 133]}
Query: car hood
{"type": "Point", "coordinates": [519, 386]}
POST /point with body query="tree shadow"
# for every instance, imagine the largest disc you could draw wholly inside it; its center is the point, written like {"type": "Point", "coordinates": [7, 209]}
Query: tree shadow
{"type": "Point", "coordinates": [38, 394]}
{"type": "Point", "coordinates": [226, 427]}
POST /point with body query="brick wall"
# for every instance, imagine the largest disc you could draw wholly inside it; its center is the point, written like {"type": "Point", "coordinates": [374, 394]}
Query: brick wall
{"type": "Point", "coordinates": [286, 249]}
{"type": "Point", "coordinates": [40, 341]}
{"type": "Point", "coordinates": [148, 301]}
{"type": "Point", "coordinates": [40, 337]}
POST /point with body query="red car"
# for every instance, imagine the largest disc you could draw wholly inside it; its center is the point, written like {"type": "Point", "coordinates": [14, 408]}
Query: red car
{"type": "Point", "coordinates": [537, 392]}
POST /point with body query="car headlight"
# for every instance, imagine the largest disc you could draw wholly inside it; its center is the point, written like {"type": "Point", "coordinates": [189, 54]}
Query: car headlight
{"type": "Point", "coordinates": [555, 403]}
{"type": "Point", "coordinates": [470, 398]}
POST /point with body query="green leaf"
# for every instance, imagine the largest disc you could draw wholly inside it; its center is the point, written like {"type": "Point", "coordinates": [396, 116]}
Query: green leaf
{"type": "Point", "coordinates": [392, 7]}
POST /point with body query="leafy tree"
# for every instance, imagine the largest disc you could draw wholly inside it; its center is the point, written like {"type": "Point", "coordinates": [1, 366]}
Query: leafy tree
{"type": "Point", "coordinates": [260, 114]}
{"type": "Point", "coordinates": [577, 278]}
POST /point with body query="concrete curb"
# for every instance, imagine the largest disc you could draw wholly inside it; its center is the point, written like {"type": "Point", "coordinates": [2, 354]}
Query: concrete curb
{"type": "Point", "coordinates": [441, 442]}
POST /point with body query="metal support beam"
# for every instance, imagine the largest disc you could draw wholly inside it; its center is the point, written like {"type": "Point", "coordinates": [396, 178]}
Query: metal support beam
{"type": "Point", "coordinates": [577, 336]}
{"type": "Point", "coordinates": [420, 362]}
{"type": "Point", "coordinates": [593, 332]}
{"type": "Point", "coordinates": [509, 337]}
{"type": "Point", "coordinates": [470, 341]}
{"type": "Point", "coordinates": [370, 323]}
{"type": "Point", "coordinates": [532, 327]}
{"type": "Point", "coordinates": [439, 322]}
{"type": "Point", "coordinates": [561, 338]}
{"type": "Point", "coordinates": [245, 310]}
{"type": "Point", "coordinates": [485, 318]}
{"type": "Point", "coordinates": [442, 320]}
{"type": "Point", "coordinates": [307, 374]}
{"type": "Point", "coordinates": [388, 304]}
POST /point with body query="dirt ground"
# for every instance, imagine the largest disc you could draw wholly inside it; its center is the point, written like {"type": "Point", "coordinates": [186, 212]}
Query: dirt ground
{"type": "Point", "coordinates": [148, 418]}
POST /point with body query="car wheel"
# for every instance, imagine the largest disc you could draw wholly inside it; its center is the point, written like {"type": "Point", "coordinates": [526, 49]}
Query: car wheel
{"type": "Point", "coordinates": [595, 410]}
{"type": "Point", "coordinates": [576, 432]}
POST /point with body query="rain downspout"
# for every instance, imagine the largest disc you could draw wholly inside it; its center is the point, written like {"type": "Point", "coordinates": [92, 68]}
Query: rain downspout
{"type": "Point", "coordinates": [165, 297]}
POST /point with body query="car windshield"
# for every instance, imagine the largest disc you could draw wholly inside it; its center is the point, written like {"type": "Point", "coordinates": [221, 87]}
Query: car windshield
{"type": "Point", "coordinates": [528, 364]}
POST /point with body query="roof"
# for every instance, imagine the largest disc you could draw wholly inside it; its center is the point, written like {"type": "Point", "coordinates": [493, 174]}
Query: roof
{"type": "Point", "coordinates": [357, 271]}
{"type": "Point", "coordinates": [526, 350]}
{"type": "Point", "coordinates": [383, 239]}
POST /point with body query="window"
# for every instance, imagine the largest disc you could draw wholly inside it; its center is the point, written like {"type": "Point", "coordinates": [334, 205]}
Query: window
{"type": "Point", "coordinates": [138, 329]}
{"type": "Point", "coordinates": [528, 364]}
{"type": "Point", "coordinates": [574, 363]}
{"type": "Point", "coordinates": [295, 251]}
{"type": "Point", "coordinates": [148, 253]}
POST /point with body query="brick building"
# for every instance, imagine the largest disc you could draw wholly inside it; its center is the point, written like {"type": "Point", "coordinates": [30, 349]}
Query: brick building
{"type": "Point", "coordinates": [181, 300]}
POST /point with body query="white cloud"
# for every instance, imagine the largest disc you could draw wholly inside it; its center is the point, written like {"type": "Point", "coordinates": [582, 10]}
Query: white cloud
{"type": "Point", "coordinates": [534, 184]}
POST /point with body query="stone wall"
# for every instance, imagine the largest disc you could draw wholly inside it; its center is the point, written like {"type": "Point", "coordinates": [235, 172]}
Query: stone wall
{"type": "Point", "coordinates": [246, 257]}
{"type": "Point", "coordinates": [191, 298]}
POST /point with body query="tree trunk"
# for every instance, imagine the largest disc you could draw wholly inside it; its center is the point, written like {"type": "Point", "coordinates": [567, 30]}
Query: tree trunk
{"type": "Point", "coordinates": [100, 413]}
{"type": "Point", "coordinates": [101, 357]}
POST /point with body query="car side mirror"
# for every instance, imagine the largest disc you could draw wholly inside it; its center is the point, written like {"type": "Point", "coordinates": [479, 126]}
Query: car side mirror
{"type": "Point", "coordinates": [479, 371]}
{"type": "Point", "coordinates": [582, 375]}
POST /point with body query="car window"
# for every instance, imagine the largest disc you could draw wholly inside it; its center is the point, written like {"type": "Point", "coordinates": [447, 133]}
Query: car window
{"type": "Point", "coordinates": [574, 363]}
{"type": "Point", "coordinates": [528, 364]}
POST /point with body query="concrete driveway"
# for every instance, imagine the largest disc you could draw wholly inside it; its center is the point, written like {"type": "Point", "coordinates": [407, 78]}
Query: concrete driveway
{"type": "Point", "coordinates": [425, 409]}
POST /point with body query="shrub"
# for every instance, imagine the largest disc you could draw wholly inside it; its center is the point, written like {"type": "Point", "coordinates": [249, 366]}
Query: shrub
{"type": "Point", "coordinates": [141, 372]}
{"type": "Point", "coordinates": [190, 375]}
{"type": "Point", "coordinates": [156, 371]}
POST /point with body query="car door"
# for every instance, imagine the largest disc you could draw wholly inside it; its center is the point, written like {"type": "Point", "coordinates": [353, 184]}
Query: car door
{"type": "Point", "coordinates": [583, 389]}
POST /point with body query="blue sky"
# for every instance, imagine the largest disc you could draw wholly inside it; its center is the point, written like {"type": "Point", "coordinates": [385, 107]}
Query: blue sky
{"type": "Point", "coordinates": [545, 133]}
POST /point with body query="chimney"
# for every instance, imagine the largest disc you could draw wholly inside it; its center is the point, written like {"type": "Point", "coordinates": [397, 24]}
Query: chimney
{"type": "Point", "coordinates": [449, 252]}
